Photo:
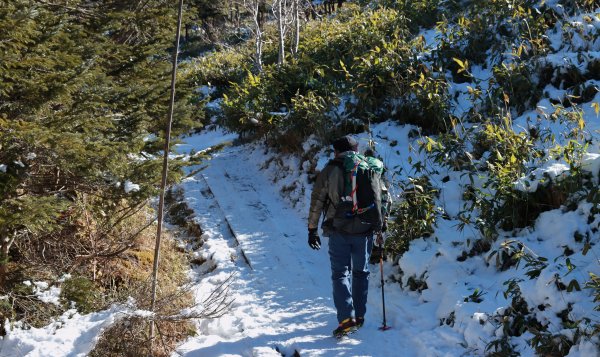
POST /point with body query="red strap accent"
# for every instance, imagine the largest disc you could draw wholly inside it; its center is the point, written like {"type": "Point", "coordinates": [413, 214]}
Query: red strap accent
{"type": "Point", "coordinates": [354, 172]}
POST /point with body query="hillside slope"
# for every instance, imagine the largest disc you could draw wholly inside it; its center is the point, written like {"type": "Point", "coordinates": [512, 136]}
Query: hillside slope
{"type": "Point", "coordinates": [284, 301]}
{"type": "Point", "coordinates": [488, 122]}
{"type": "Point", "coordinates": [283, 297]}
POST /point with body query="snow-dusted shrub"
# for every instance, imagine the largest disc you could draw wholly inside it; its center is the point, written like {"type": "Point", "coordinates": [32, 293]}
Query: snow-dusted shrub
{"type": "Point", "coordinates": [516, 86]}
{"type": "Point", "coordinates": [414, 216]}
{"type": "Point", "coordinates": [342, 56]}
{"type": "Point", "coordinates": [288, 102]}
{"type": "Point", "coordinates": [428, 102]}
{"type": "Point", "coordinates": [129, 337]}
{"type": "Point", "coordinates": [477, 28]}
{"type": "Point", "coordinates": [423, 13]}
{"type": "Point", "coordinates": [82, 293]}
{"type": "Point", "coordinates": [575, 6]}
{"type": "Point", "coordinates": [220, 69]}
{"type": "Point", "coordinates": [594, 285]}
{"type": "Point", "coordinates": [24, 306]}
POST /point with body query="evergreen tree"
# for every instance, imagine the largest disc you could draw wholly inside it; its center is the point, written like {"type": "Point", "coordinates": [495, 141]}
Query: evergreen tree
{"type": "Point", "coordinates": [84, 88]}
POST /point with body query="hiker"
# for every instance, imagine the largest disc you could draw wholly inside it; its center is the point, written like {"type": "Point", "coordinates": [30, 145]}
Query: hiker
{"type": "Point", "coordinates": [350, 229]}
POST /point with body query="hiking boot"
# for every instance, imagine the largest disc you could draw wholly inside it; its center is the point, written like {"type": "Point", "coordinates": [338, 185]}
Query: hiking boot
{"type": "Point", "coordinates": [360, 321]}
{"type": "Point", "coordinates": [345, 327]}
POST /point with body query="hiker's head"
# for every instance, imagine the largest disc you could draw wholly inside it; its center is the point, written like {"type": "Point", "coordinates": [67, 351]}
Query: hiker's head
{"type": "Point", "coordinates": [345, 143]}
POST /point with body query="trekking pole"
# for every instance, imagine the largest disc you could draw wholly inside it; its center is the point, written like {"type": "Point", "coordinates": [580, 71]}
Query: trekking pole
{"type": "Point", "coordinates": [380, 238]}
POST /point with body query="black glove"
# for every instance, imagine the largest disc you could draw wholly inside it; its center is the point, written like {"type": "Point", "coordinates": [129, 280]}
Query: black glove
{"type": "Point", "coordinates": [314, 241]}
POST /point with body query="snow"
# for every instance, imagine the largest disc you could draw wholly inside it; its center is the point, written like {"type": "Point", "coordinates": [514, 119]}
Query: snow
{"type": "Point", "coordinates": [131, 187]}
{"type": "Point", "coordinates": [282, 298]}
{"type": "Point", "coordinates": [282, 295]}
{"type": "Point", "coordinates": [70, 335]}
{"type": "Point", "coordinates": [252, 206]}
{"type": "Point", "coordinates": [209, 138]}
{"type": "Point", "coordinates": [45, 293]}
{"type": "Point", "coordinates": [206, 90]}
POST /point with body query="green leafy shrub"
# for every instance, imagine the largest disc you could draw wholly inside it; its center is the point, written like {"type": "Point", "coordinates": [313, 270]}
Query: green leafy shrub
{"type": "Point", "coordinates": [474, 28]}
{"type": "Point", "coordinates": [508, 153]}
{"type": "Point", "coordinates": [423, 13]}
{"type": "Point", "coordinates": [83, 292]}
{"type": "Point", "coordinates": [220, 68]}
{"type": "Point", "coordinates": [574, 6]}
{"type": "Point", "coordinates": [414, 216]}
{"type": "Point", "coordinates": [430, 103]}
{"type": "Point", "coordinates": [369, 58]}
{"type": "Point", "coordinates": [381, 71]}
{"type": "Point", "coordinates": [516, 87]}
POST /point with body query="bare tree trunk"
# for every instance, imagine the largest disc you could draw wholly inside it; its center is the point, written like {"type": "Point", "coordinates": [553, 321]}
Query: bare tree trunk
{"type": "Point", "coordinates": [257, 9]}
{"type": "Point", "coordinates": [258, 35]}
{"type": "Point", "coordinates": [296, 14]}
{"type": "Point", "coordinates": [281, 25]}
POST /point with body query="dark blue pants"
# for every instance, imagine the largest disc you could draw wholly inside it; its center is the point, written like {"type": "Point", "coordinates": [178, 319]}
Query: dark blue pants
{"type": "Point", "coordinates": [350, 254]}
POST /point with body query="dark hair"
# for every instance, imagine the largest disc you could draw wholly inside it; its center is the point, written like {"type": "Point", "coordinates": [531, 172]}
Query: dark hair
{"type": "Point", "coordinates": [345, 143]}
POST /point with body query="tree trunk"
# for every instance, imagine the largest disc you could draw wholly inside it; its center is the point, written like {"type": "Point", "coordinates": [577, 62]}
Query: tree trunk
{"type": "Point", "coordinates": [281, 26]}
{"type": "Point", "coordinates": [259, 36]}
{"type": "Point", "coordinates": [3, 262]}
{"type": "Point", "coordinates": [5, 245]}
{"type": "Point", "coordinates": [296, 5]}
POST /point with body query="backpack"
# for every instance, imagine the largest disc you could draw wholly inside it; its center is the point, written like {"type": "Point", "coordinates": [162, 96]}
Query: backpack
{"type": "Point", "coordinates": [360, 208]}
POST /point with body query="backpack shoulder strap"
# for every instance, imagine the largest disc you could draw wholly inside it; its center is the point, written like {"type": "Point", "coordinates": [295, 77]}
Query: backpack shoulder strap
{"type": "Point", "coordinates": [337, 163]}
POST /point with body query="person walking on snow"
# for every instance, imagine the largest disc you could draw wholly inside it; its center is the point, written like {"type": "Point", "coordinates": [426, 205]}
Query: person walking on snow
{"type": "Point", "coordinates": [348, 252]}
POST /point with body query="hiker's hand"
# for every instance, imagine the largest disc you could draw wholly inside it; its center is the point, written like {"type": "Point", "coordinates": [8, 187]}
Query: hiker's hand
{"type": "Point", "coordinates": [314, 241]}
{"type": "Point", "coordinates": [384, 226]}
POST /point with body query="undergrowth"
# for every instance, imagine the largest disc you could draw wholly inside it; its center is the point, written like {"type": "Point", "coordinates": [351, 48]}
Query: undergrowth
{"type": "Point", "coordinates": [103, 267]}
{"type": "Point", "coordinates": [489, 64]}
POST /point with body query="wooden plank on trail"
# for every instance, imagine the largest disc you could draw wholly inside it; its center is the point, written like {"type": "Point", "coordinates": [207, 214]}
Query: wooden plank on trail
{"type": "Point", "coordinates": [229, 226]}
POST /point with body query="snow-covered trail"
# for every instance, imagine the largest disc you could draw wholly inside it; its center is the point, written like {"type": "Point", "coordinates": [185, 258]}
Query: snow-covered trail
{"type": "Point", "coordinates": [283, 300]}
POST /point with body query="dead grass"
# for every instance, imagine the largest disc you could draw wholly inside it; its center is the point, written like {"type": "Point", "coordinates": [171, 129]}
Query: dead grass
{"type": "Point", "coordinates": [111, 256]}
{"type": "Point", "coordinates": [130, 335]}
{"type": "Point", "coordinates": [129, 338]}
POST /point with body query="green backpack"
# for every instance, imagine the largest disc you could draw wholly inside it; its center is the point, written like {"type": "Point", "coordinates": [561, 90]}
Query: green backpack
{"type": "Point", "coordinates": [360, 208]}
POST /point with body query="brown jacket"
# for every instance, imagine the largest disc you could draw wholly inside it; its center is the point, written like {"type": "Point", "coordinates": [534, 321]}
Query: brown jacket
{"type": "Point", "coordinates": [328, 190]}
{"type": "Point", "coordinates": [326, 193]}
